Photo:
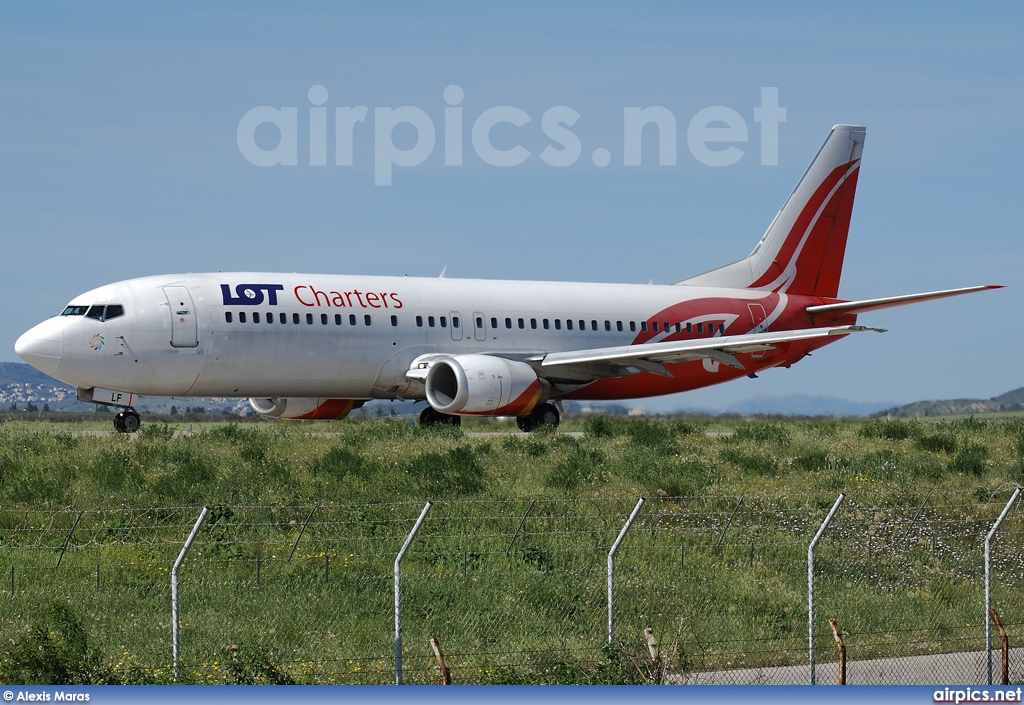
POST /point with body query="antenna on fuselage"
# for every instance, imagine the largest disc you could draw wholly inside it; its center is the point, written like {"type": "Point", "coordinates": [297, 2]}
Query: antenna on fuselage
{"type": "Point", "coordinates": [444, 272]}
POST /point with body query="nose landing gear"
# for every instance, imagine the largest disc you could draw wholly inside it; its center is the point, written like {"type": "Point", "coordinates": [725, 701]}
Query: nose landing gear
{"type": "Point", "coordinates": [127, 421]}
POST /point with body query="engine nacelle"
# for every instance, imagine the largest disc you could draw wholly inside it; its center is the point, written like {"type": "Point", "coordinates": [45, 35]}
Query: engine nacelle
{"type": "Point", "coordinates": [485, 385]}
{"type": "Point", "coordinates": [304, 407]}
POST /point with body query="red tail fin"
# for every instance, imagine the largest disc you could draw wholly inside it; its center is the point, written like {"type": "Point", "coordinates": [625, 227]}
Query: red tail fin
{"type": "Point", "coordinates": [802, 251]}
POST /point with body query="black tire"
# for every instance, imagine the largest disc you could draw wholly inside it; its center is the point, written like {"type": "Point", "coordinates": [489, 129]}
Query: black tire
{"type": "Point", "coordinates": [544, 415]}
{"type": "Point", "coordinates": [526, 423]}
{"type": "Point", "coordinates": [119, 423]}
{"type": "Point", "coordinates": [431, 417]}
{"type": "Point", "coordinates": [131, 422]}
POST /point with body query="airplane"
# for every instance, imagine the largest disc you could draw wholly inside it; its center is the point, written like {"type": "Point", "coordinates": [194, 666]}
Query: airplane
{"type": "Point", "coordinates": [317, 346]}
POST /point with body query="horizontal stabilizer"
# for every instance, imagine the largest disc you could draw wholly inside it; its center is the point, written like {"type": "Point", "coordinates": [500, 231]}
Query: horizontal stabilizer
{"type": "Point", "coordinates": [850, 307]}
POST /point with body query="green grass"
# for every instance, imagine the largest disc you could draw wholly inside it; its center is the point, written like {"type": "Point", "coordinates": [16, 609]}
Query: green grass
{"type": "Point", "coordinates": [509, 569]}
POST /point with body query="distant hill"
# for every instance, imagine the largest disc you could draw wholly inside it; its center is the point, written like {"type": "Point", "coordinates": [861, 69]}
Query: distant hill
{"type": "Point", "coordinates": [804, 405]}
{"type": "Point", "coordinates": [1010, 401]}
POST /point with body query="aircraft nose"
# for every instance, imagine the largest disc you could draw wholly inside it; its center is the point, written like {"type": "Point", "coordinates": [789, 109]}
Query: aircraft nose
{"type": "Point", "coordinates": [42, 347]}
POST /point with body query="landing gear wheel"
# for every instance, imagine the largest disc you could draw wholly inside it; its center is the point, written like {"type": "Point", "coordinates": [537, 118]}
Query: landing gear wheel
{"type": "Point", "coordinates": [430, 417]}
{"type": "Point", "coordinates": [544, 415]}
{"type": "Point", "coordinates": [127, 421]}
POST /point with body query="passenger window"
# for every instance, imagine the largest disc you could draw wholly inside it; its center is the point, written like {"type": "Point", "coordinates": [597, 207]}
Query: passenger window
{"type": "Point", "coordinates": [419, 321]}
{"type": "Point", "coordinates": [455, 321]}
{"type": "Point", "coordinates": [546, 326]}
{"type": "Point", "coordinates": [666, 328]}
{"type": "Point", "coordinates": [679, 327]}
{"type": "Point", "coordinates": [508, 323]}
{"type": "Point", "coordinates": [479, 322]}
{"type": "Point", "coordinates": [309, 319]}
{"type": "Point", "coordinates": [618, 326]}
{"type": "Point", "coordinates": [522, 324]}
{"type": "Point", "coordinates": [283, 318]}
{"type": "Point", "coordinates": [593, 325]}
{"type": "Point", "coordinates": [643, 326]}
{"type": "Point", "coordinates": [689, 327]}
{"type": "Point", "coordinates": [394, 321]}
{"type": "Point", "coordinates": [533, 323]}
{"type": "Point", "coordinates": [583, 325]}
{"type": "Point", "coordinates": [323, 319]}
{"type": "Point", "coordinates": [95, 312]}
{"type": "Point", "coordinates": [255, 316]}
{"type": "Point", "coordinates": [494, 322]}
{"type": "Point", "coordinates": [568, 324]}
{"type": "Point", "coordinates": [337, 319]}
{"type": "Point", "coordinates": [270, 317]}
{"type": "Point", "coordinates": [608, 325]}
{"type": "Point", "coordinates": [443, 320]}
{"type": "Point", "coordinates": [721, 328]}
{"type": "Point", "coordinates": [632, 326]}
{"type": "Point", "coordinates": [366, 319]}
{"type": "Point", "coordinates": [558, 324]}
{"type": "Point", "coordinates": [113, 311]}
{"type": "Point", "coordinates": [227, 316]}
{"type": "Point", "coordinates": [241, 316]}
{"type": "Point", "coordinates": [430, 321]}
{"type": "Point", "coordinates": [351, 319]}
{"type": "Point", "coordinates": [655, 326]}
{"type": "Point", "coordinates": [700, 327]}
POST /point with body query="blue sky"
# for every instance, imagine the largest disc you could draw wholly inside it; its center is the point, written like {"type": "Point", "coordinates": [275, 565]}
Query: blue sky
{"type": "Point", "coordinates": [120, 157]}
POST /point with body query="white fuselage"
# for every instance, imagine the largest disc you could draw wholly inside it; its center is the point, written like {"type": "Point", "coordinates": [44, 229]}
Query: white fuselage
{"type": "Point", "coordinates": [271, 335]}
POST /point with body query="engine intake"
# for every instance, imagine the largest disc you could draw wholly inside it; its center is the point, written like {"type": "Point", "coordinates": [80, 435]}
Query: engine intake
{"type": "Point", "coordinates": [485, 385]}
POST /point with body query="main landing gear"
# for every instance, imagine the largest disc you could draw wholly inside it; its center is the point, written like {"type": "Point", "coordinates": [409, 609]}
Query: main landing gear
{"type": "Point", "coordinates": [544, 415]}
{"type": "Point", "coordinates": [429, 417]}
{"type": "Point", "coordinates": [127, 421]}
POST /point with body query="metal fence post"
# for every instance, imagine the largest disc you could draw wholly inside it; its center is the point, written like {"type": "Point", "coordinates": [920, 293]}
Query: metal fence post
{"type": "Point", "coordinates": [988, 580]}
{"type": "Point", "coordinates": [398, 592]}
{"type": "Point", "coordinates": [175, 606]}
{"type": "Point", "coordinates": [611, 571]}
{"type": "Point", "coordinates": [810, 581]}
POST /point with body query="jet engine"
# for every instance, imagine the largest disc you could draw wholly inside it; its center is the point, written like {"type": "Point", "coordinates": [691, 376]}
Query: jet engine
{"type": "Point", "coordinates": [304, 407]}
{"type": "Point", "coordinates": [484, 384]}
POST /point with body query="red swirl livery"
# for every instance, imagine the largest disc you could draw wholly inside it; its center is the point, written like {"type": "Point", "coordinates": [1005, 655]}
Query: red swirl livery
{"type": "Point", "coordinates": [316, 346]}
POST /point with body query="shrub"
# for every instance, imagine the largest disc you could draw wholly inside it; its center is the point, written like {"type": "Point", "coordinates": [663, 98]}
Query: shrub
{"type": "Point", "coordinates": [752, 463]}
{"type": "Point", "coordinates": [52, 650]}
{"type": "Point", "coordinates": [339, 462]}
{"type": "Point", "coordinates": [582, 466]}
{"type": "Point", "coordinates": [970, 460]}
{"type": "Point", "coordinates": [763, 433]}
{"type": "Point", "coordinates": [452, 473]}
{"type": "Point", "coordinates": [602, 427]}
{"type": "Point", "coordinates": [891, 429]}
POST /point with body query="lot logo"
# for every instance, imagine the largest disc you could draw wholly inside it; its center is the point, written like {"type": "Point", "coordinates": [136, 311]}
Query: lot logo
{"type": "Point", "coordinates": [96, 342]}
{"type": "Point", "coordinates": [251, 294]}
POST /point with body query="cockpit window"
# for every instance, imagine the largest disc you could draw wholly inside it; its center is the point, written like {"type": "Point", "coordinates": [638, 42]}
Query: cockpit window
{"type": "Point", "coordinates": [75, 311]}
{"type": "Point", "coordinates": [100, 313]}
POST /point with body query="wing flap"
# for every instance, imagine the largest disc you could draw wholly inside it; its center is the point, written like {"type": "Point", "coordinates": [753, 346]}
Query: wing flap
{"type": "Point", "coordinates": [654, 356]}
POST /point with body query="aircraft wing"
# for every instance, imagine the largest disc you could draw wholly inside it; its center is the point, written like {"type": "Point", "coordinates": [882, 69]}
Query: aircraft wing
{"type": "Point", "coordinates": [652, 357]}
{"type": "Point", "coordinates": [845, 307]}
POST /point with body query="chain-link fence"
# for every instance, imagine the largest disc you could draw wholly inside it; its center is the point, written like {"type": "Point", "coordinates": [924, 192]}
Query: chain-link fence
{"type": "Point", "coordinates": [516, 591]}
